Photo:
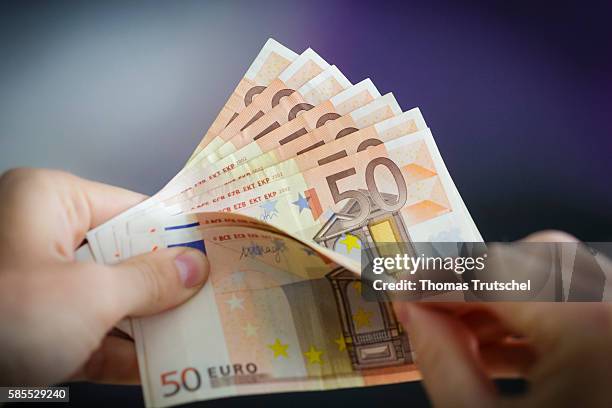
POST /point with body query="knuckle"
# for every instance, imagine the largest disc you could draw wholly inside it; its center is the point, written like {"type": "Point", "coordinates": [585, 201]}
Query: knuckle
{"type": "Point", "coordinates": [15, 172]}
{"type": "Point", "coordinates": [28, 176]}
{"type": "Point", "coordinates": [34, 173]}
{"type": "Point", "coordinates": [20, 173]}
{"type": "Point", "coordinates": [555, 236]}
{"type": "Point", "coordinates": [16, 175]}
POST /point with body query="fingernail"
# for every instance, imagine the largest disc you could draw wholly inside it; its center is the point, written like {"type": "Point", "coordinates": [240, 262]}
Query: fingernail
{"type": "Point", "coordinates": [191, 270]}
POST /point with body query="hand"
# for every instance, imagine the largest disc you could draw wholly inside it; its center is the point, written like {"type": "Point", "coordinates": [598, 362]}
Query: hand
{"type": "Point", "coordinates": [563, 350]}
{"type": "Point", "coordinates": [55, 313]}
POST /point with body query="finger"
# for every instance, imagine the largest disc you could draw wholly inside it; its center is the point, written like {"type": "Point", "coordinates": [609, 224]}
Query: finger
{"type": "Point", "coordinates": [157, 281]}
{"type": "Point", "coordinates": [538, 322]}
{"type": "Point", "coordinates": [59, 207]}
{"type": "Point", "coordinates": [104, 201]}
{"type": "Point", "coordinates": [114, 362]}
{"type": "Point", "coordinates": [91, 203]}
{"type": "Point", "coordinates": [447, 355]}
{"type": "Point", "coordinates": [507, 360]}
{"type": "Point", "coordinates": [550, 236]}
{"type": "Point", "coordinates": [457, 309]}
{"type": "Point", "coordinates": [501, 352]}
{"type": "Point", "coordinates": [485, 326]}
{"type": "Point", "coordinates": [477, 317]}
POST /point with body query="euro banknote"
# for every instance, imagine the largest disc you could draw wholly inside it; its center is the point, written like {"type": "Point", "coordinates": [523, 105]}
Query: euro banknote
{"type": "Point", "coordinates": [300, 178]}
{"type": "Point", "coordinates": [270, 319]}
{"type": "Point", "coordinates": [376, 111]}
{"type": "Point", "coordinates": [406, 123]}
{"type": "Point", "coordinates": [404, 181]}
{"type": "Point", "coordinates": [404, 178]}
{"type": "Point", "coordinates": [294, 139]}
{"type": "Point", "coordinates": [158, 221]}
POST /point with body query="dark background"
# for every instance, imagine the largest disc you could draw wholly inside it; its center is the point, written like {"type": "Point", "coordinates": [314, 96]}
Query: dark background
{"type": "Point", "coordinates": [518, 95]}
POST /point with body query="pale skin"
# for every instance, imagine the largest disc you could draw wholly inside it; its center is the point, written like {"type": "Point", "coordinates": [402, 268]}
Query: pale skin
{"type": "Point", "coordinates": [564, 350]}
{"type": "Point", "coordinates": [57, 314]}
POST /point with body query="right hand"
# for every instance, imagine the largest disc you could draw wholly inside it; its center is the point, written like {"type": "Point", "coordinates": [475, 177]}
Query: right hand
{"type": "Point", "coordinates": [564, 351]}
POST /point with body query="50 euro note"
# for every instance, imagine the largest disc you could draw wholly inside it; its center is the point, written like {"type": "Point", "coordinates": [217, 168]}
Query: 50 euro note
{"type": "Point", "coordinates": [385, 131]}
{"type": "Point", "coordinates": [340, 144]}
{"type": "Point", "coordinates": [269, 63]}
{"type": "Point", "coordinates": [190, 237]}
{"type": "Point", "coordinates": [275, 147]}
{"type": "Point", "coordinates": [376, 111]}
{"type": "Point", "coordinates": [264, 98]}
{"type": "Point", "coordinates": [396, 191]}
{"type": "Point", "coordinates": [271, 318]}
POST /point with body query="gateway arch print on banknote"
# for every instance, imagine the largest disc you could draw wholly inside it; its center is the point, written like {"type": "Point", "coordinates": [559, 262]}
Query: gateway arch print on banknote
{"type": "Point", "coordinates": [380, 342]}
{"type": "Point", "coordinates": [381, 231]}
{"type": "Point", "coordinates": [372, 335]}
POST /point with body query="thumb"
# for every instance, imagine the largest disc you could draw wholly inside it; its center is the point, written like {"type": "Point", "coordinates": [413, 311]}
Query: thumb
{"type": "Point", "coordinates": [160, 280]}
{"type": "Point", "coordinates": [446, 355]}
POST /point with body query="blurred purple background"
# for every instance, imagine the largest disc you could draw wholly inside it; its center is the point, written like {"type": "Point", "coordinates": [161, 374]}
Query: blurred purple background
{"type": "Point", "coordinates": [518, 95]}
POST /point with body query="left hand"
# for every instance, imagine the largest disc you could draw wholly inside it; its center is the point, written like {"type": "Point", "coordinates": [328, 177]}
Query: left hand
{"type": "Point", "coordinates": [55, 313]}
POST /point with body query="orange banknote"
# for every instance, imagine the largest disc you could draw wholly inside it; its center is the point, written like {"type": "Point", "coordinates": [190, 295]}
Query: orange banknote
{"type": "Point", "coordinates": [274, 317]}
{"type": "Point", "coordinates": [376, 111]}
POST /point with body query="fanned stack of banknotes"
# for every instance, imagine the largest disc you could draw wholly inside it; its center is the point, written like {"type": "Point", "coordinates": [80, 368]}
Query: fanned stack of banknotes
{"type": "Point", "coordinates": [300, 170]}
